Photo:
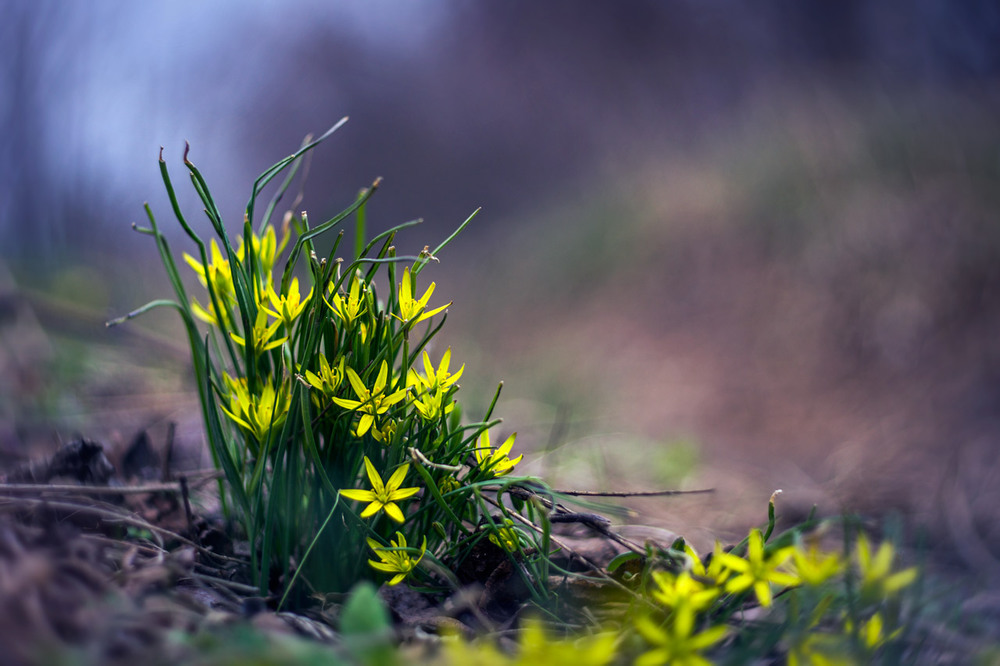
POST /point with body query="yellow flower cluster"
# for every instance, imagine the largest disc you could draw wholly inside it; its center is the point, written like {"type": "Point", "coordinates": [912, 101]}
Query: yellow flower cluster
{"type": "Point", "coordinates": [259, 412]}
{"type": "Point", "coordinates": [381, 402]}
{"type": "Point", "coordinates": [694, 591]}
{"type": "Point", "coordinates": [216, 275]}
{"type": "Point", "coordinates": [432, 387]}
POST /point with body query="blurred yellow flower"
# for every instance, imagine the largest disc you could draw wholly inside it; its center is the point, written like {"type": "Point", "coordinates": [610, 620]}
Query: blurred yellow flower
{"type": "Point", "coordinates": [819, 649]}
{"type": "Point", "coordinates": [877, 580]}
{"type": "Point", "coordinates": [684, 595]}
{"type": "Point", "coordinates": [676, 645]}
{"type": "Point", "coordinates": [266, 249]}
{"type": "Point", "coordinates": [506, 537]}
{"type": "Point", "coordinates": [815, 567]}
{"type": "Point", "coordinates": [448, 484]}
{"type": "Point", "coordinates": [872, 632]}
{"type": "Point", "coordinates": [535, 647]}
{"type": "Point", "coordinates": [218, 273]}
{"type": "Point", "coordinates": [715, 573]}
{"type": "Point", "coordinates": [757, 570]}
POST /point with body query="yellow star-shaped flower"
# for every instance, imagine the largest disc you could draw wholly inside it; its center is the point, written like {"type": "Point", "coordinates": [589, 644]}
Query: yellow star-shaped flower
{"type": "Point", "coordinates": [329, 377]}
{"type": "Point", "coordinates": [815, 567]}
{"type": "Point", "coordinates": [370, 403]}
{"type": "Point", "coordinates": [685, 596]}
{"type": "Point", "coordinates": [383, 496]}
{"type": "Point", "coordinates": [432, 376]}
{"type": "Point", "coordinates": [396, 559]}
{"type": "Point", "coordinates": [218, 273]}
{"type": "Point", "coordinates": [257, 413]}
{"type": "Point", "coordinates": [496, 462]}
{"type": "Point", "coordinates": [877, 578]}
{"type": "Point", "coordinates": [353, 306]}
{"type": "Point", "coordinates": [758, 570]}
{"type": "Point", "coordinates": [261, 335]}
{"type": "Point", "coordinates": [286, 307]}
{"type": "Point", "coordinates": [266, 248]}
{"type": "Point", "coordinates": [676, 644]}
{"type": "Point", "coordinates": [410, 308]}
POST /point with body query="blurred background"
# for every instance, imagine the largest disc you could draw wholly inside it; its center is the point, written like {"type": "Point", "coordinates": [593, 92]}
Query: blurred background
{"type": "Point", "coordinates": [728, 245]}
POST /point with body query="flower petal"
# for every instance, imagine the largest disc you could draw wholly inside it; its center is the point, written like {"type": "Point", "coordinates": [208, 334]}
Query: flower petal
{"type": "Point", "coordinates": [374, 477]}
{"type": "Point", "coordinates": [755, 546]}
{"type": "Point", "coordinates": [359, 386]}
{"type": "Point", "coordinates": [404, 493]}
{"type": "Point", "coordinates": [347, 404]}
{"type": "Point", "coordinates": [396, 480]}
{"type": "Point", "coordinates": [507, 445]}
{"type": "Point", "coordinates": [393, 512]}
{"type": "Point", "coordinates": [392, 399]}
{"type": "Point", "coordinates": [763, 591]}
{"type": "Point", "coordinates": [431, 313]}
{"type": "Point", "coordinates": [428, 366]}
{"type": "Point", "coordinates": [707, 637]}
{"type": "Point", "coordinates": [651, 631]}
{"type": "Point", "coordinates": [358, 495]}
{"type": "Point", "coordinates": [383, 373]}
{"type": "Point", "coordinates": [373, 508]}
{"type": "Point", "coordinates": [405, 293]}
{"type": "Point", "coordinates": [365, 424]}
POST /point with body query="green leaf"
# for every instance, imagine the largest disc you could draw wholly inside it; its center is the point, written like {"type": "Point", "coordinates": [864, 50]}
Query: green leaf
{"type": "Point", "coordinates": [622, 559]}
{"type": "Point", "coordinates": [364, 613]}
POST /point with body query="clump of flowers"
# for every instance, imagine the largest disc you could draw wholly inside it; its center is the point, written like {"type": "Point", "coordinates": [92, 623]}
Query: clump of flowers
{"type": "Point", "coordinates": [336, 431]}
{"type": "Point", "coordinates": [818, 609]}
